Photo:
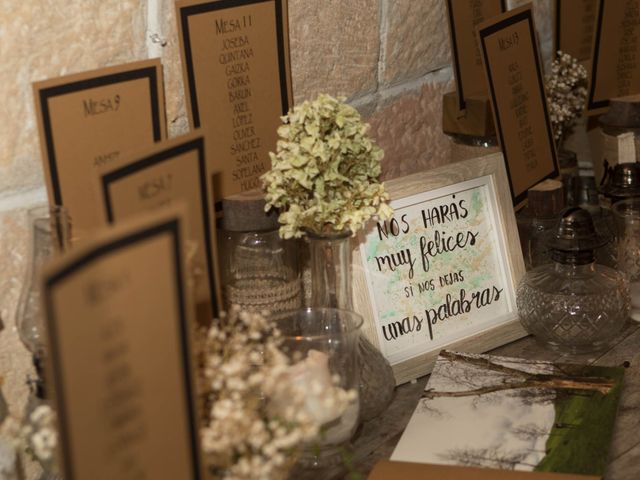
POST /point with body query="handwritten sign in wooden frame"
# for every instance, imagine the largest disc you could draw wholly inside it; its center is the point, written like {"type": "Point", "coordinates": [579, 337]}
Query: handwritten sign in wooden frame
{"type": "Point", "coordinates": [442, 272]}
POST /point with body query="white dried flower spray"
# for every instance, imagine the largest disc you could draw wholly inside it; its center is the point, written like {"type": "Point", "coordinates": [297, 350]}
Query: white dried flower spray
{"type": "Point", "coordinates": [566, 87]}
{"type": "Point", "coordinates": [325, 173]}
{"type": "Point", "coordinates": [41, 435]}
{"type": "Point", "coordinates": [261, 411]}
{"type": "Point", "coordinates": [38, 436]}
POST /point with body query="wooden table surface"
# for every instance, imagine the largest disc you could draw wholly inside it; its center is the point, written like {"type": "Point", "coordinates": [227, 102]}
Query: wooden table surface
{"type": "Point", "coordinates": [377, 438]}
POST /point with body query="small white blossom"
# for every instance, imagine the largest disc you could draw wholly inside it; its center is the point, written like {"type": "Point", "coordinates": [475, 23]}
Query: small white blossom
{"type": "Point", "coordinates": [261, 412]}
{"type": "Point", "coordinates": [38, 436]}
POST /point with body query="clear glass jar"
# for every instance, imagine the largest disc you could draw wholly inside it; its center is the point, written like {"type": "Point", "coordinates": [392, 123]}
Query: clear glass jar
{"type": "Point", "coordinates": [584, 194]}
{"type": "Point", "coordinates": [330, 260]}
{"type": "Point", "coordinates": [545, 201]}
{"type": "Point", "coordinates": [573, 308]}
{"type": "Point", "coordinates": [622, 117]}
{"type": "Point", "coordinates": [574, 305]}
{"type": "Point", "coordinates": [464, 147]}
{"type": "Point", "coordinates": [604, 224]}
{"type": "Point", "coordinates": [260, 271]}
{"type": "Point", "coordinates": [627, 217]}
{"type": "Point", "coordinates": [610, 142]}
{"type": "Point", "coordinates": [322, 344]}
{"type": "Point", "coordinates": [622, 182]}
{"type": "Point", "coordinates": [50, 234]}
{"type": "Point", "coordinates": [534, 233]}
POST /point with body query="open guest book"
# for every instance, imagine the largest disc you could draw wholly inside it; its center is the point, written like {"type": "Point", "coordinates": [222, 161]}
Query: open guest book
{"type": "Point", "coordinates": [484, 411]}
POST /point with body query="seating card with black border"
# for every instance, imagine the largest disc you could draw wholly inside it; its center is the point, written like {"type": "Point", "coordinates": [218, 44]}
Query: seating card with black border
{"type": "Point", "coordinates": [521, 116]}
{"type": "Point", "coordinates": [90, 119]}
{"type": "Point", "coordinates": [615, 70]}
{"type": "Point", "coordinates": [574, 25]}
{"type": "Point", "coordinates": [237, 78]}
{"type": "Point", "coordinates": [463, 17]}
{"type": "Point", "coordinates": [158, 176]}
{"type": "Point", "coordinates": [119, 321]}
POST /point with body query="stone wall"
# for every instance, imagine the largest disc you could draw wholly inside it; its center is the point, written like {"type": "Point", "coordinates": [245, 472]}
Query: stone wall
{"type": "Point", "coordinates": [390, 58]}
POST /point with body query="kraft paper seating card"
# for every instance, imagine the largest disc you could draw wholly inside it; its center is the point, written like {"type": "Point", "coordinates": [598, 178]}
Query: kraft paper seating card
{"type": "Point", "coordinates": [89, 120]}
{"type": "Point", "coordinates": [166, 173]}
{"type": "Point", "coordinates": [512, 65]}
{"type": "Point", "coordinates": [514, 414]}
{"type": "Point", "coordinates": [575, 22]}
{"type": "Point", "coordinates": [235, 56]}
{"type": "Point", "coordinates": [387, 470]}
{"type": "Point", "coordinates": [119, 319]}
{"type": "Point", "coordinates": [615, 70]}
{"type": "Point", "coordinates": [464, 16]}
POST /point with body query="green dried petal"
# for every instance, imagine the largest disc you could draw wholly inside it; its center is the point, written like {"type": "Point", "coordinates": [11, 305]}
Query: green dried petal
{"type": "Point", "coordinates": [325, 172]}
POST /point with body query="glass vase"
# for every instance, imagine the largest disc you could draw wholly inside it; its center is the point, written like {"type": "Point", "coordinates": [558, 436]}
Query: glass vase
{"type": "Point", "coordinates": [260, 271]}
{"type": "Point", "coordinates": [464, 147]}
{"type": "Point", "coordinates": [50, 234]}
{"type": "Point", "coordinates": [330, 258]}
{"type": "Point", "coordinates": [322, 345]}
{"type": "Point", "coordinates": [627, 218]}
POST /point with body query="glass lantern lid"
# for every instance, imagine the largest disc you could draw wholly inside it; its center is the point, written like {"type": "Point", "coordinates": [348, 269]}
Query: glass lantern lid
{"type": "Point", "coordinates": [624, 182]}
{"type": "Point", "coordinates": [575, 237]}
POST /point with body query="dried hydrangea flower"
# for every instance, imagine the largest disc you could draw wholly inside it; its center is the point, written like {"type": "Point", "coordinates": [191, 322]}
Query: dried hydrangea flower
{"type": "Point", "coordinates": [325, 173]}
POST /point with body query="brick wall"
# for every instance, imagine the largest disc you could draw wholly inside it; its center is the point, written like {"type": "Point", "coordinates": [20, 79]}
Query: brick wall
{"type": "Point", "coordinates": [390, 58]}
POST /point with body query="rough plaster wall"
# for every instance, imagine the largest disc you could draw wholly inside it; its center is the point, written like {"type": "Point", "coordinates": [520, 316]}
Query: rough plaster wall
{"type": "Point", "coordinates": [41, 39]}
{"type": "Point", "coordinates": [175, 100]}
{"type": "Point", "coordinates": [390, 58]}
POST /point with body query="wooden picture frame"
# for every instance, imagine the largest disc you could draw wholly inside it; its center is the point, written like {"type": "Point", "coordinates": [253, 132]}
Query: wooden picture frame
{"type": "Point", "coordinates": [482, 190]}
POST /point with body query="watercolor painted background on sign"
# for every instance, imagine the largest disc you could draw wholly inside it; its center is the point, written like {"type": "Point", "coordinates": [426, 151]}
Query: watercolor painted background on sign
{"type": "Point", "coordinates": [435, 269]}
{"type": "Point", "coordinates": [442, 271]}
